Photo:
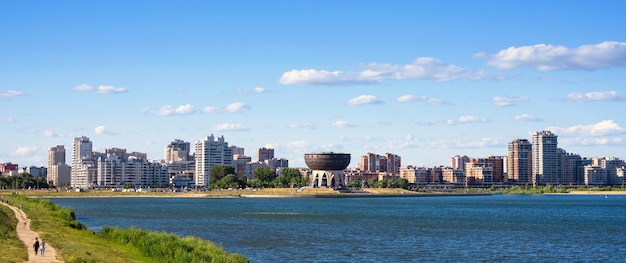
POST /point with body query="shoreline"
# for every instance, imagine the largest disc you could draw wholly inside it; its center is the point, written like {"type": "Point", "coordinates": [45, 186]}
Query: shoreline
{"type": "Point", "coordinates": [281, 193]}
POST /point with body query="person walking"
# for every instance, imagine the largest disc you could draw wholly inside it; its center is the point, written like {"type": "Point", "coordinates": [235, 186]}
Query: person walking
{"type": "Point", "coordinates": [36, 246]}
{"type": "Point", "coordinates": [43, 246]}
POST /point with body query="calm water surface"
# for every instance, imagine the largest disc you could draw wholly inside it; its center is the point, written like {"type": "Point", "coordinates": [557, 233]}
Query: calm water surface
{"type": "Point", "coordinates": [502, 228]}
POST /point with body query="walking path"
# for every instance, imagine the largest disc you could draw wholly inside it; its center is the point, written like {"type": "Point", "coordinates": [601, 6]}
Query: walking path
{"type": "Point", "coordinates": [28, 237]}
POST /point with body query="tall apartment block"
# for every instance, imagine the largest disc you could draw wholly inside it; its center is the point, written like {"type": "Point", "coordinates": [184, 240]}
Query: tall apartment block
{"type": "Point", "coordinates": [519, 161]}
{"type": "Point", "coordinates": [264, 154]}
{"type": "Point", "coordinates": [545, 159]}
{"type": "Point", "coordinates": [83, 173]}
{"type": "Point", "coordinates": [458, 162]}
{"type": "Point", "coordinates": [59, 173]}
{"type": "Point", "coordinates": [177, 150]}
{"type": "Point", "coordinates": [388, 163]}
{"type": "Point", "coordinates": [208, 152]}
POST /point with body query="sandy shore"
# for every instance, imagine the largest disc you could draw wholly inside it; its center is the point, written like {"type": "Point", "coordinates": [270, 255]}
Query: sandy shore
{"type": "Point", "coordinates": [576, 192]}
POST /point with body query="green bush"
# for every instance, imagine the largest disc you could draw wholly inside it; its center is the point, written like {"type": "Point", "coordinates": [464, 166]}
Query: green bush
{"type": "Point", "coordinates": [168, 247]}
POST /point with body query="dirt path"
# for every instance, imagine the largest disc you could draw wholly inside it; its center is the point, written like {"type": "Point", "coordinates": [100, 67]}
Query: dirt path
{"type": "Point", "coordinates": [28, 238]}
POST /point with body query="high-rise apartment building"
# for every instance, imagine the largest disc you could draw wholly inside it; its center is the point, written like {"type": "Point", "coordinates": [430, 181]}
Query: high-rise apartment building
{"type": "Point", "coordinates": [208, 152]}
{"type": "Point", "coordinates": [83, 174]}
{"type": "Point", "coordinates": [545, 159]}
{"type": "Point", "coordinates": [458, 162]}
{"type": "Point", "coordinates": [519, 160]}
{"type": "Point", "coordinates": [177, 150]}
{"type": "Point", "coordinates": [387, 163]}
{"type": "Point", "coordinates": [59, 173]}
{"type": "Point", "coordinates": [264, 154]}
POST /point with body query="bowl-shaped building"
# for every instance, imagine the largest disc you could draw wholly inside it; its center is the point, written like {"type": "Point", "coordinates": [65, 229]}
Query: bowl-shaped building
{"type": "Point", "coordinates": [327, 161]}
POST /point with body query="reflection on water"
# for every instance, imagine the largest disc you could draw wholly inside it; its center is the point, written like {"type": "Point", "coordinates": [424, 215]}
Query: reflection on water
{"type": "Point", "coordinates": [521, 228]}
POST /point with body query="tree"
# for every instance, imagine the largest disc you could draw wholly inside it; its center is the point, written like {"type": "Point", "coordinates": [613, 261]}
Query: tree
{"type": "Point", "coordinates": [218, 172]}
{"type": "Point", "coordinates": [264, 175]}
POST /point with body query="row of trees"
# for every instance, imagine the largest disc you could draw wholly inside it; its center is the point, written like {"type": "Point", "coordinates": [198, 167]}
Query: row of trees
{"type": "Point", "coordinates": [23, 181]}
{"type": "Point", "coordinates": [385, 183]}
{"type": "Point", "coordinates": [223, 176]}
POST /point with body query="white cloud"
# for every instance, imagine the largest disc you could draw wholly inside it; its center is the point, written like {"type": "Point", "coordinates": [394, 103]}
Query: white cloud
{"type": "Point", "coordinates": [592, 141]}
{"type": "Point", "coordinates": [10, 94]}
{"type": "Point", "coordinates": [525, 117]}
{"type": "Point", "coordinates": [49, 133]}
{"type": "Point", "coordinates": [364, 99]}
{"type": "Point", "coordinates": [252, 90]}
{"type": "Point", "coordinates": [343, 123]}
{"type": "Point", "coordinates": [507, 101]}
{"type": "Point", "coordinates": [303, 125]}
{"type": "Point", "coordinates": [231, 108]}
{"type": "Point", "coordinates": [424, 68]}
{"type": "Point", "coordinates": [102, 89]}
{"type": "Point", "coordinates": [550, 57]}
{"type": "Point", "coordinates": [236, 107]}
{"type": "Point", "coordinates": [7, 120]}
{"type": "Point", "coordinates": [466, 119]}
{"type": "Point", "coordinates": [169, 110]}
{"type": "Point", "coordinates": [597, 129]}
{"type": "Point", "coordinates": [103, 130]}
{"type": "Point", "coordinates": [25, 150]}
{"type": "Point", "coordinates": [413, 98]}
{"type": "Point", "coordinates": [595, 96]}
{"type": "Point", "coordinates": [230, 127]}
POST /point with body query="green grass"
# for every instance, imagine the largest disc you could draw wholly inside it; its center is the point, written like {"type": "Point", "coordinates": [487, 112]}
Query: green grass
{"type": "Point", "coordinates": [13, 250]}
{"type": "Point", "coordinates": [74, 243]}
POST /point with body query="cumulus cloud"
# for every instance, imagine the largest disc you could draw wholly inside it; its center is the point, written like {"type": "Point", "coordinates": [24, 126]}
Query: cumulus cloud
{"type": "Point", "coordinates": [424, 68]}
{"type": "Point", "coordinates": [507, 101]}
{"type": "Point", "coordinates": [25, 150]}
{"type": "Point", "coordinates": [252, 90]}
{"type": "Point", "coordinates": [413, 98]}
{"type": "Point", "coordinates": [364, 99]}
{"type": "Point", "coordinates": [303, 125]}
{"type": "Point", "coordinates": [343, 123]}
{"type": "Point", "coordinates": [525, 117]}
{"type": "Point", "coordinates": [10, 94]}
{"type": "Point", "coordinates": [103, 130]}
{"type": "Point", "coordinates": [231, 108]}
{"type": "Point", "coordinates": [102, 89]}
{"type": "Point", "coordinates": [466, 119]}
{"type": "Point", "coordinates": [592, 141]}
{"type": "Point", "coordinates": [550, 57]}
{"type": "Point", "coordinates": [169, 110]}
{"type": "Point", "coordinates": [230, 127]}
{"type": "Point", "coordinates": [595, 96]}
{"type": "Point", "coordinates": [605, 127]}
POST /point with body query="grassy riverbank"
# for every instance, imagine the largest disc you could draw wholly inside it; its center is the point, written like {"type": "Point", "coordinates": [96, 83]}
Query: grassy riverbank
{"type": "Point", "coordinates": [75, 243]}
{"type": "Point", "coordinates": [13, 249]}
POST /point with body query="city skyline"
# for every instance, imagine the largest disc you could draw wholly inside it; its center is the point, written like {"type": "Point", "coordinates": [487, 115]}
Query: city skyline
{"type": "Point", "coordinates": [426, 80]}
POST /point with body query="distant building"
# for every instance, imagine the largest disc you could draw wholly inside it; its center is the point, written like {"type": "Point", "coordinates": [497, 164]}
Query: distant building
{"type": "Point", "coordinates": [177, 150]}
{"type": "Point", "coordinates": [117, 168]}
{"type": "Point", "coordinates": [208, 152]}
{"type": "Point", "coordinates": [5, 168]}
{"type": "Point", "coordinates": [519, 161]}
{"type": "Point", "coordinates": [59, 173]}
{"type": "Point", "coordinates": [387, 163]}
{"type": "Point", "coordinates": [264, 154]}
{"type": "Point", "coordinates": [83, 172]}
{"type": "Point", "coordinates": [545, 169]}
{"type": "Point", "coordinates": [458, 162]}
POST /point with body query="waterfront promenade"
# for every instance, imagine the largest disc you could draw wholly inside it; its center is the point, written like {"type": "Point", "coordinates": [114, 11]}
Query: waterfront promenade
{"type": "Point", "coordinates": [28, 237]}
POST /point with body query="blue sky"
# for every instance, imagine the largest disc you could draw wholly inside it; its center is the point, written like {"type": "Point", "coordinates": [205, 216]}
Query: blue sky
{"type": "Point", "coordinates": [422, 79]}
